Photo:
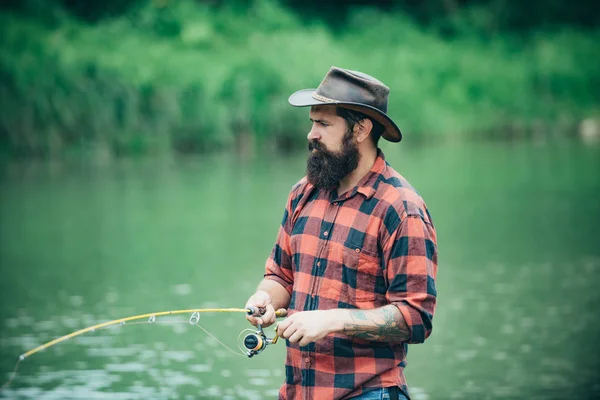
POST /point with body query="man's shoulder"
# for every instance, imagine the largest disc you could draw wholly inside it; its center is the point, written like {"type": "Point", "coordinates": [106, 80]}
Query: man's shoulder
{"type": "Point", "coordinates": [300, 185]}
{"type": "Point", "coordinates": [300, 190]}
{"type": "Point", "coordinates": [395, 190]}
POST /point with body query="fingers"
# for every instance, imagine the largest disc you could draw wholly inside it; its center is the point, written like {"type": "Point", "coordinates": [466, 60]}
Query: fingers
{"type": "Point", "coordinates": [251, 318]}
{"type": "Point", "coordinates": [286, 329]}
{"type": "Point", "coordinates": [283, 325]}
{"type": "Point", "coordinates": [269, 317]}
{"type": "Point", "coordinates": [295, 337]}
{"type": "Point", "coordinates": [254, 320]}
{"type": "Point", "coordinates": [290, 330]}
{"type": "Point", "coordinates": [261, 301]}
{"type": "Point", "coordinates": [301, 328]}
{"type": "Point", "coordinates": [295, 334]}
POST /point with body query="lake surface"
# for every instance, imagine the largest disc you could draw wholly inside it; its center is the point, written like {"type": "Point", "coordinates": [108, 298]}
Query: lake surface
{"type": "Point", "coordinates": [86, 242]}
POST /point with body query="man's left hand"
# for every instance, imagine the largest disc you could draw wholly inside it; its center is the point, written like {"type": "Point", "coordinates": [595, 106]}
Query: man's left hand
{"type": "Point", "coordinates": [306, 326]}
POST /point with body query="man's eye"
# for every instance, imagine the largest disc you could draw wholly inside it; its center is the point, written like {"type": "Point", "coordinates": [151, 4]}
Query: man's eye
{"type": "Point", "coordinates": [324, 124]}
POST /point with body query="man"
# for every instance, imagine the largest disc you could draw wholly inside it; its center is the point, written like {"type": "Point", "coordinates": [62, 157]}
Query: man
{"type": "Point", "coordinates": [355, 259]}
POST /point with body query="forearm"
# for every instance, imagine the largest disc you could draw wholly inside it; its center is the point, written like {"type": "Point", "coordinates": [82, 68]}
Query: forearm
{"type": "Point", "coordinates": [385, 324]}
{"type": "Point", "coordinates": [280, 298]}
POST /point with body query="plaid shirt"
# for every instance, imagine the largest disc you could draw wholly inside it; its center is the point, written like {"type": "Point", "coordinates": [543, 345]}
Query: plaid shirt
{"type": "Point", "coordinates": [375, 245]}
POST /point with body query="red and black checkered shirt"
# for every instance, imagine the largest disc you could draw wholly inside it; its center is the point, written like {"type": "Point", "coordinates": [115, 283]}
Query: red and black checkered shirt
{"type": "Point", "coordinates": [372, 246]}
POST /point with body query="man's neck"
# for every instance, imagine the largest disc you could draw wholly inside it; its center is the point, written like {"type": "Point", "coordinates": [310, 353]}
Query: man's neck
{"type": "Point", "coordinates": [365, 163]}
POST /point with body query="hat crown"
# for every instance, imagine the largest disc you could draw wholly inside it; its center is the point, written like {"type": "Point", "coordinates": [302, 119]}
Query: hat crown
{"type": "Point", "coordinates": [343, 85]}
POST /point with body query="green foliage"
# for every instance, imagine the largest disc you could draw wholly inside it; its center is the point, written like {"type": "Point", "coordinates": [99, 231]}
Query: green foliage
{"type": "Point", "coordinates": [191, 77]}
{"type": "Point", "coordinates": [483, 17]}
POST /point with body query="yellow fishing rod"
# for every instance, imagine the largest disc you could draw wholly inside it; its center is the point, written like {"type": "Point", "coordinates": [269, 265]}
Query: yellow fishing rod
{"type": "Point", "coordinates": [254, 342]}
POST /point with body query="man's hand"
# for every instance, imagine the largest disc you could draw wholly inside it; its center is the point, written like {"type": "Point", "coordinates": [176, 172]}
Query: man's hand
{"type": "Point", "coordinates": [261, 299]}
{"type": "Point", "coordinates": [307, 326]}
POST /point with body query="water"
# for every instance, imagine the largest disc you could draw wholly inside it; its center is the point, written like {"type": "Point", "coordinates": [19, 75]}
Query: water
{"type": "Point", "coordinates": [83, 243]}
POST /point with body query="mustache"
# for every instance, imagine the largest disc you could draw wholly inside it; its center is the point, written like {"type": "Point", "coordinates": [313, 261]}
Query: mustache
{"type": "Point", "coordinates": [316, 145]}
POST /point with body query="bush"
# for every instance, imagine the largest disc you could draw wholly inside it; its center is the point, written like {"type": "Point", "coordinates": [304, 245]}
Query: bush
{"type": "Point", "coordinates": [189, 77]}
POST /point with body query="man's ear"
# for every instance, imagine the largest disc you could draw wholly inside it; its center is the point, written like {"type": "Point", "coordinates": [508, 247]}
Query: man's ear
{"type": "Point", "coordinates": [362, 129]}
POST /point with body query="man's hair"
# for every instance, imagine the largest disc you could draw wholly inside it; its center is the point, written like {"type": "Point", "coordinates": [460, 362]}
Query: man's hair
{"type": "Point", "coordinates": [352, 117]}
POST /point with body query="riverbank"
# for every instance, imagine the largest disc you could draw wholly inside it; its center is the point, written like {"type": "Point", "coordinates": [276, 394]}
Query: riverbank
{"type": "Point", "coordinates": [191, 78]}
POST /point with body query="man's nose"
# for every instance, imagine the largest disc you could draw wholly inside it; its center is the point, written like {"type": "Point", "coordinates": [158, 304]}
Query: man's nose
{"type": "Point", "coordinates": [313, 134]}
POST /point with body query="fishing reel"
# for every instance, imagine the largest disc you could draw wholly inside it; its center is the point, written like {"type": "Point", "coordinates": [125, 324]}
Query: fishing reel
{"type": "Point", "coordinates": [256, 342]}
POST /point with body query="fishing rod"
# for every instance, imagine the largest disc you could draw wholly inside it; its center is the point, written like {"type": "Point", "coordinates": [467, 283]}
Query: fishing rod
{"type": "Point", "coordinates": [254, 342]}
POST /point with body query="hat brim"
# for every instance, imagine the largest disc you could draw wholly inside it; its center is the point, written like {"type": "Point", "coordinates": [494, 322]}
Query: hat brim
{"type": "Point", "coordinates": [391, 132]}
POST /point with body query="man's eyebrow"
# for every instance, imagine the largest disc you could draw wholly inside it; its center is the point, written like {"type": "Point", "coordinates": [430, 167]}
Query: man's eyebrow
{"type": "Point", "coordinates": [318, 120]}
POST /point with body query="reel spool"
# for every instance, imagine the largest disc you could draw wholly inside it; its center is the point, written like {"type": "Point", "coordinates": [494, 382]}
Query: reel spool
{"type": "Point", "coordinates": [256, 342]}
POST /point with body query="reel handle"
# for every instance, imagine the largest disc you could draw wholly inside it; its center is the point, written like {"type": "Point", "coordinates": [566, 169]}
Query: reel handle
{"type": "Point", "coordinates": [276, 337]}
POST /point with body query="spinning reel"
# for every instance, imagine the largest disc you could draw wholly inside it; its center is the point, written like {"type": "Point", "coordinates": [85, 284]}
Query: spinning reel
{"type": "Point", "coordinates": [257, 341]}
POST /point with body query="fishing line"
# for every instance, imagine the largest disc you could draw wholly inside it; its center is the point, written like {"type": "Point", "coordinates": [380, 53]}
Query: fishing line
{"type": "Point", "coordinates": [180, 321]}
{"type": "Point", "coordinates": [221, 343]}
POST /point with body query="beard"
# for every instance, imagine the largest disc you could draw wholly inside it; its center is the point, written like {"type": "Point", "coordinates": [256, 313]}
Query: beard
{"type": "Point", "coordinates": [325, 169]}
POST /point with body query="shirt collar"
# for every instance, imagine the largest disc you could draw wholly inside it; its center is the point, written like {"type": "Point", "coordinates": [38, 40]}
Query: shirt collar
{"type": "Point", "coordinates": [366, 186]}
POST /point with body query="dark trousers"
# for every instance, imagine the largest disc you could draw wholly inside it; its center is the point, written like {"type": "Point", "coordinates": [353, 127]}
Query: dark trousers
{"type": "Point", "coordinates": [389, 393]}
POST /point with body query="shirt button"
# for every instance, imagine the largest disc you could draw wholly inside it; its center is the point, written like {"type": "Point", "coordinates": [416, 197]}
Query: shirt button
{"type": "Point", "coordinates": [325, 233]}
{"type": "Point", "coordinates": [318, 263]}
{"type": "Point", "coordinates": [357, 250]}
{"type": "Point", "coordinates": [307, 360]}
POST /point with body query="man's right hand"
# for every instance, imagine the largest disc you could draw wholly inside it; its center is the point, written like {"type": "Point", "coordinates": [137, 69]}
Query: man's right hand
{"type": "Point", "coordinates": [261, 299]}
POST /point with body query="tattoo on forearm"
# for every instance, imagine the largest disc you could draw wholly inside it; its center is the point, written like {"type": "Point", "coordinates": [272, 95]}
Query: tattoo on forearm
{"type": "Point", "coordinates": [383, 324]}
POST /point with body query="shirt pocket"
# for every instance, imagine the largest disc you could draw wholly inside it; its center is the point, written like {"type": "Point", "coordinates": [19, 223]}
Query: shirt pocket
{"type": "Point", "coordinates": [360, 269]}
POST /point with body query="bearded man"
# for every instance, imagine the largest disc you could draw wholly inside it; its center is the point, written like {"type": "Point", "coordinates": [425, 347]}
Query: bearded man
{"type": "Point", "coordinates": [355, 259]}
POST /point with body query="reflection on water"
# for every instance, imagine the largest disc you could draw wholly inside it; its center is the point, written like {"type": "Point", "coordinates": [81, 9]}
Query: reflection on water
{"type": "Point", "coordinates": [152, 369]}
{"type": "Point", "coordinates": [519, 270]}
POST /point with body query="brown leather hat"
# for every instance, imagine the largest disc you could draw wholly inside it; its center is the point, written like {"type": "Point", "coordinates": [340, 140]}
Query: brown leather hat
{"type": "Point", "coordinates": [353, 90]}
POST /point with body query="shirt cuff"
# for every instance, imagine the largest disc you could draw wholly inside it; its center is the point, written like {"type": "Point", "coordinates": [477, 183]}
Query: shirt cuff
{"type": "Point", "coordinates": [414, 321]}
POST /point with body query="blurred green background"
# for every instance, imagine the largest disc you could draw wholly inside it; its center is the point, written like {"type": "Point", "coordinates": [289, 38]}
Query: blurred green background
{"type": "Point", "coordinates": [147, 149]}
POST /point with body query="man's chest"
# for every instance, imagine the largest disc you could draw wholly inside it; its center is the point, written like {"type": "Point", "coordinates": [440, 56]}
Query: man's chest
{"type": "Point", "coordinates": [336, 253]}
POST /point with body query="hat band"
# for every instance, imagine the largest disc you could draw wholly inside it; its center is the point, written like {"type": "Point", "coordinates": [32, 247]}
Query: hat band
{"type": "Point", "coordinates": [323, 98]}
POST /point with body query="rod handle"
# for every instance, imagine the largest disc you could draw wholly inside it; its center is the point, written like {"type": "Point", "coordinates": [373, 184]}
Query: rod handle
{"type": "Point", "coordinates": [258, 311]}
{"type": "Point", "coordinates": [281, 313]}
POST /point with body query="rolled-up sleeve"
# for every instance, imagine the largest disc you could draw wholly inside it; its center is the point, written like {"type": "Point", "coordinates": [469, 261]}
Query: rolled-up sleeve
{"type": "Point", "coordinates": [410, 255]}
{"type": "Point", "coordinates": [279, 264]}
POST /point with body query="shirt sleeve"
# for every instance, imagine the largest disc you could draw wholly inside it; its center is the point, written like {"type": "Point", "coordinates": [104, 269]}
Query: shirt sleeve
{"type": "Point", "coordinates": [279, 264]}
{"type": "Point", "coordinates": [410, 254]}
